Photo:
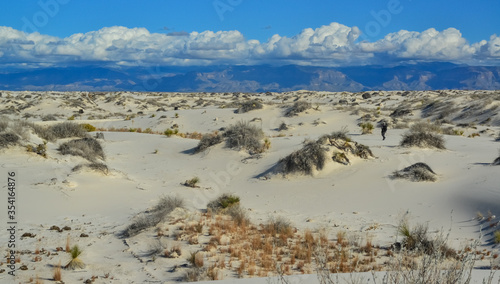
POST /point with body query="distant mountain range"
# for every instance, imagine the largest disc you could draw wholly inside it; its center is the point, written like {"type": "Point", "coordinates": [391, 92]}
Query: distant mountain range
{"type": "Point", "coordinates": [258, 78]}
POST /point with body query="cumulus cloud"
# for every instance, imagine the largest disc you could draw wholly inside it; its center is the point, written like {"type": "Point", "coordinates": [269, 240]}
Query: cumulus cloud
{"type": "Point", "coordinates": [332, 45]}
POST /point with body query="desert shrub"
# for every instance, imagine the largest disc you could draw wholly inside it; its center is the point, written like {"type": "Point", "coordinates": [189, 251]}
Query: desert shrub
{"type": "Point", "coordinates": [4, 123]}
{"type": "Point", "coordinates": [249, 105]}
{"type": "Point", "coordinates": [422, 140]}
{"type": "Point", "coordinates": [242, 135]}
{"type": "Point", "coordinates": [366, 127]}
{"type": "Point", "coordinates": [169, 132]}
{"type": "Point", "coordinates": [98, 167]}
{"type": "Point", "coordinates": [207, 141]}
{"type": "Point", "coordinates": [8, 139]}
{"type": "Point", "coordinates": [400, 112]}
{"type": "Point", "coordinates": [416, 172]}
{"type": "Point", "coordinates": [297, 108]}
{"type": "Point", "coordinates": [40, 149]}
{"type": "Point", "coordinates": [222, 202]}
{"type": "Point", "coordinates": [49, 117]}
{"type": "Point", "coordinates": [75, 261]}
{"type": "Point", "coordinates": [165, 205]}
{"type": "Point", "coordinates": [362, 151]}
{"type": "Point", "coordinates": [341, 158]}
{"type": "Point", "coordinates": [195, 274]}
{"type": "Point", "coordinates": [341, 134]}
{"type": "Point", "coordinates": [67, 130]}
{"type": "Point", "coordinates": [88, 127]}
{"type": "Point", "coordinates": [311, 157]}
{"type": "Point", "coordinates": [192, 182]}
{"type": "Point", "coordinates": [88, 148]}
{"type": "Point", "coordinates": [282, 127]}
{"type": "Point", "coordinates": [426, 127]}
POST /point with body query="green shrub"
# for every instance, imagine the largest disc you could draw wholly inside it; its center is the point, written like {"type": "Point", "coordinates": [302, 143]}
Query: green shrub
{"type": "Point", "coordinates": [75, 261]}
{"type": "Point", "coordinates": [169, 132]}
{"type": "Point", "coordinates": [496, 235]}
{"type": "Point", "coordinates": [192, 182]}
{"type": "Point", "coordinates": [223, 202]}
{"type": "Point", "coordinates": [71, 117]}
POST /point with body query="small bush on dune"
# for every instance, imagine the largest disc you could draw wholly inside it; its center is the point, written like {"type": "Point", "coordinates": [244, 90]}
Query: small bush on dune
{"type": "Point", "coordinates": [207, 141]}
{"type": "Point", "coordinates": [496, 237]}
{"type": "Point", "coordinates": [75, 261]}
{"type": "Point", "coordinates": [192, 182]}
{"type": "Point", "coordinates": [165, 205]}
{"type": "Point", "coordinates": [279, 225]}
{"type": "Point", "coordinates": [297, 108]}
{"type": "Point", "coordinates": [426, 127]}
{"type": "Point", "coordinates": [242, 135]}
{"type": "Point", "coordinates": [238, 214]}
{"type": "Point", "coordinates": [311, 157]}
{"type": "Point", "coordinates": [249, 105]}
{"type": "Point", "coordinates": [416, 172]}
{"type": "Point", "coordinates": [422, 140]}
{"type": "Point", "coordinates": [67, 130]}
{"type": "Point", "coordinates": [8, 139]}
{"type": "Point", "coordinates": [366, 128]}
{"type": "Point", "coordinates": [49, 117]}
{"type": "Point", "coordinates": [88, 148]}
{"type": "Point", "coordinates": [88, 127]}
{"type": "Point", "coordinates": [223, 202]}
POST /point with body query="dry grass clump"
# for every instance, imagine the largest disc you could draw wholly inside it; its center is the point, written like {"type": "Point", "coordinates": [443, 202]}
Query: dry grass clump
{"type": "Point", "coordinates": [311, 157]}
{"type": "Point", "coordinates": [96, 166]}
{"type": "Point", "coordinates": [208, 140]}
{"type": "Point", "coordinates": [8, 139]}
{"type": "Point", "coordinates": [165, 205]}
{"type": "Point", "coordinates": [242, 135]}
{"type": "Point", "coordinates": [426, 127]}
{"type": "Point", "coordinates": [249, 105]}
{"type": "Point", "coordinates": [416, 172]}
{"type": "Point", "coordinates": [88, 148]}
{"type": "Point", "coordinates": [57, 272]}
{"type": "Point", "coordinates": [298, 107]}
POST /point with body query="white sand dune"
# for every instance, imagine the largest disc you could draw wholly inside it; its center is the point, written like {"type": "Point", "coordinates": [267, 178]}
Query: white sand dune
{"type": "Point", "coordinates": [143, 167]}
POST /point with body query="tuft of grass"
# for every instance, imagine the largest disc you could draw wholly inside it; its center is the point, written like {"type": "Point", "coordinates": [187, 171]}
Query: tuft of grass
{"type": "Point", "coordinates": [57, 272]}
{"type": "Point", "coordinates": [249, 105]}
{"type": "Point", "coordinates": [242, 135]}
{"type": "Point", "coordinates": [279, 225]}
{"type": "Point", "coordinates": [169, 132]}
{"type": "Point", "coordinates": [192, 182]}
{"type": "Point", "coordinates": [298, 107]}
{"type": "Point", "coordinates": [222, 202]}
{"type": "Point", "coordinates": [366, 127]}
{"type": "Point", "coordinates": [208, 140]}
{"type": "Point", "coordinates": [75, 262]}
{"type": "Point", "coordinates": [283, 126]}
{"type": "Point", "coordinates": [238, 214]}
{"type": "Point", "coordinates": [88, 148]}
{"type": "Point", "coordinates": [496, 237]}
{"type": "Point", "coordinates": [311, 157]}
{"type": "Point", "coordinates": [416, 172]}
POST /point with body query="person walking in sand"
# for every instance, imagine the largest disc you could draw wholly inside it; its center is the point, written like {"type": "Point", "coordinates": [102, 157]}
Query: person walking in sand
{"type": "Point", "coordinates": [384, 129]}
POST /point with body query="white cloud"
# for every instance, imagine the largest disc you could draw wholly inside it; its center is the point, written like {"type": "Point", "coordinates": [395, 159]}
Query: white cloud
{"type": "Point", "coordinates": [333, 44]}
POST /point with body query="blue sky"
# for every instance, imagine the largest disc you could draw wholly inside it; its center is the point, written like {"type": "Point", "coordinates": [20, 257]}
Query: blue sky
{"type": "Point", "coordinates": [191, 32]}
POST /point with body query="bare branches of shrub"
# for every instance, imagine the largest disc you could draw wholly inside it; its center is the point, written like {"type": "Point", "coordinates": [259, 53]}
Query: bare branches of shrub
{"type": "Point", "coordinates": [208, 140]}
{"type": "Point", "coordinates": [8, 139]}
{"type": "Point", "coordinates": [242, 135]}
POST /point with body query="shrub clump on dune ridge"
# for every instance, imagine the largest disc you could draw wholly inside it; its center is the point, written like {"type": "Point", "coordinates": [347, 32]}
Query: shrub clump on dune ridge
{"type": "Point", "coordinates": [297, 108]}
{"type": "Point", "coordinates": [416, 172]}
{"type": "Point", "coordinates": [311, 157]}
{"type": "Point", "coordinates": [249, 105]}
{"type": "Point", "coordinates": [8, 139]}
{"type": "Point", "coordinates": [88, 148]}
{"type": "Point", "coordinates": [207, 141]}
{"type": "Point", "coordinates": [242, 135]}
{"type": "Point", "coordinates": [423, 135]}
